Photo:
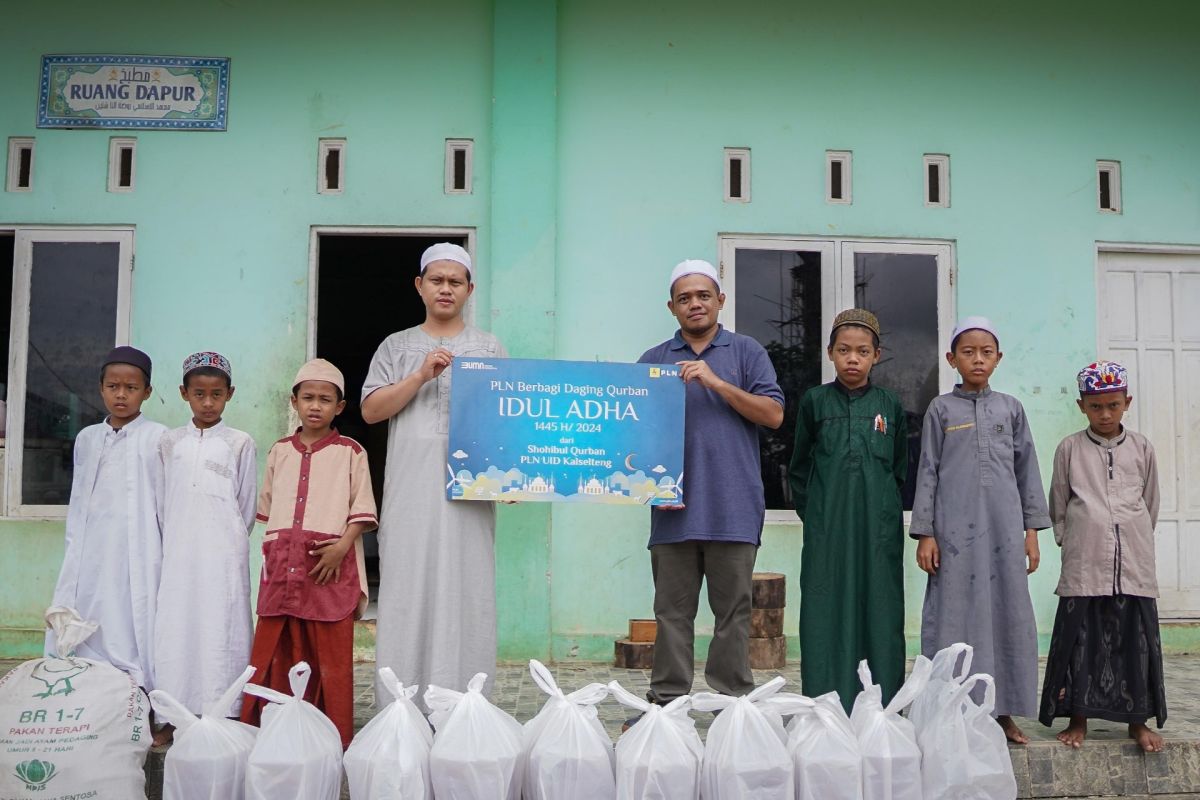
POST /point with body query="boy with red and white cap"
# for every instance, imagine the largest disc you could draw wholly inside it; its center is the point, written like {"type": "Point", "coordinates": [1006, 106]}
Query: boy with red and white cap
{"type": "Point", "coordinates": [1105, 652]}
{"type": "Point", "coordinates": [316, 501]}
{"type": "Point", "coordinates": [210, 475]}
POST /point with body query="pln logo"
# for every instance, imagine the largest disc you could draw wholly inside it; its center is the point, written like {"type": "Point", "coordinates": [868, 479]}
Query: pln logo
{"type": "Point", "coordinates": [659, 372]}
{"type": "Point", "coordinates": [655, 372]}
{"type": "Point", "coordinates": [35, 773]}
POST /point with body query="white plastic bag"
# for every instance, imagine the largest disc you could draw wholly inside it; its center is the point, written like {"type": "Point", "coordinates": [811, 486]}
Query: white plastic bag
{"type": "Point", "coordinates": [299, 750]}
{"type": "Point", "coordinates": [476, 746]}
{"type": "Point", "coordinates": [659, 757]}
{"type": "Point", "coordinates": [208, 759]}
{"type": "Point", "coordinates": [945, 674]}
{"type": "Point", "coordinates": [389, 758]}
{"type": "Point", "coordinates": [565, 750]}
{"type": "Point", "coordinates": [966, 752]}
{"type": "Point", "coordinates": [825, 751]}
{"type": "Point", "coordinates": [746, 756]}
{"type": "Point", "coordinates": [71, 727]}
{"type": "Point", "coordinates": [891, 756]}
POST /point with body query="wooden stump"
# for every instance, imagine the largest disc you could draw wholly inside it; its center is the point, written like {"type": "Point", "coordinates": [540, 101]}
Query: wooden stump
{"type": "Point", "coordinates": [770, 653]}
{"type": "Point", "coordinates": [633, 655]}
{"type": "Point", "coordinates": [766, 623]}
{"type": "Point", "coordinates": [770, 590]}
{"type": "Point", "coordinates": [642, 630]}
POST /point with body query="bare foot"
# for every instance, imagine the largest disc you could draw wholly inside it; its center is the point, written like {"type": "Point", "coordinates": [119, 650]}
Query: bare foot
{"type": "Point", "coordinates": [1148, 740]}
{"type": "Point", "coordinates": [1011, 731]}
{"type": "Point", "coordinates": [166, 734]}
{"type": "Point", "coordinates": [1074, 734]}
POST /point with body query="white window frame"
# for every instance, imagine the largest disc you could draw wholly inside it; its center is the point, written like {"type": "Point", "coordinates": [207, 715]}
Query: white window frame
{"type": "Point", "coordinates": [942, 161]}
{"type": "Point", "coordinates": [18, 355]}
{"type": "Point", "coordinates": [466, 146]}
{"type": "Point", "coordinates": [324, 147]}
{"type": "Point", "coordinates": [742, 154]}
{"type": "Point", "coordinates": [115, 145]}
{"type": "Point", "coordinates": [846, 159]}
{"type": "Point", "coordinates": [12, 178]}
{"type": "Point", "coordinates": [837, 273]}
{"type": "Point", "coordinates": [1113, 170]}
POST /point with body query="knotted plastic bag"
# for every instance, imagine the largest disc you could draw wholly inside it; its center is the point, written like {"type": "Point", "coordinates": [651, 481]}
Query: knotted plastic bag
{"type": "Point", "coordinates": [891, 756]}
{"type": "Point", "coordinates": [71, 726]}
{"type": "Point", "coordinates": [565, 750]}
{"type": "Point", "coordinates": [945, 674]}
{"type": "Point", "coordinates": [389, 758]}
{"type": "Point", "coordinates": [966, 752]}
{"type": "Point", "coordinates": [299, 750]}
{"type": "Point", "coordinates": [746, 756]}
{"type": "Point", "coordinates": [825, 751]}
{"type": "Point", "coordinates": [476, 746]}
{"type": "Point", "coordinates": [208, 759]}
{"type": "Point", "coordinates": [659, 757]}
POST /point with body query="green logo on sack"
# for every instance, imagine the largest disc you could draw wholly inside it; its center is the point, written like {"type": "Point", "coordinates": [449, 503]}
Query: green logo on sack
{"type": "Point", "coordinates": [35, 773]}
{"type": "Point", "coordinates": [57, 674]}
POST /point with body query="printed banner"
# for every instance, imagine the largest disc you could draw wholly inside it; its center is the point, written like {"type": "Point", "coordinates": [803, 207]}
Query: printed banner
{"type": "Point", "coordinates": [565, 431]}
{"type": "Point", "coordinates": [163, 92]}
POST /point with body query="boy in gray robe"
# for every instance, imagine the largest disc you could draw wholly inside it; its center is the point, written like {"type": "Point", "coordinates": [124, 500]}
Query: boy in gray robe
{"type": "Point", "coordinates": [978, 507]}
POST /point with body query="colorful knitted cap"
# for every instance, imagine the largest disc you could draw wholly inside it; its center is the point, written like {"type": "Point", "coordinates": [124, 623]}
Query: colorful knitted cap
{"type": "Point", "coordinates": [207, 359]}
{"type": "Point", "coordinates": [1102, 377]}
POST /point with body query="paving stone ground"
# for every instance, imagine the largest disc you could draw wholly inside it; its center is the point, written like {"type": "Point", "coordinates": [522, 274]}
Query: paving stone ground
{"type": "Point", "coordinates": [1110, 765]}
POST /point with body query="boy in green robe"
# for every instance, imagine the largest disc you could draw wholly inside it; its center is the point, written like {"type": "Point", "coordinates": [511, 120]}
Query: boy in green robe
{"type": "Point", "coordinates": [848, 467]}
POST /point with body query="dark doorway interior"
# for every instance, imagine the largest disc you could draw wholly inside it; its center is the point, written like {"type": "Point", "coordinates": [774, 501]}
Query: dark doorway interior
{"type": "Point", "coordinates": [364, 293]}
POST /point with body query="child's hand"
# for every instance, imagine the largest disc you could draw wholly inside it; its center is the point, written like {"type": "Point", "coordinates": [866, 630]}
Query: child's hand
{"type": "Point", "coordinates": [929, 558]}
{"type": "Point", "coordinates": [1032, 551]}
{"type": "Point", "coordinates": [332, 553]}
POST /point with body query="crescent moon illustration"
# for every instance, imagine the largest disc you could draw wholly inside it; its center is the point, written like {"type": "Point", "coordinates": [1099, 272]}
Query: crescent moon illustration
{"type": "Point", "coordinates": [629, 462]}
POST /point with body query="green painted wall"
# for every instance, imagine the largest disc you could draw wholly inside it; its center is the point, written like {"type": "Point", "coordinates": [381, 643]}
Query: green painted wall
{"type": "Point", "coordinates": [599, 129]}
{"type": "Point", "coordinates": [222, 219]}
{"type": "Point", "coordinates": [1024, 96]}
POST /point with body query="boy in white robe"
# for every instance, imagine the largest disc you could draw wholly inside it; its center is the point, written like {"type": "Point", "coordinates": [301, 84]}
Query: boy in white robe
{"type": "Point", "coordinates": [204, 628]}
{"type": "Point", "coordinates": [113, 552]}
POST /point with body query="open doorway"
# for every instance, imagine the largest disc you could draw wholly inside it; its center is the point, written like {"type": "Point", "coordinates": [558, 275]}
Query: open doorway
{"type": "Point", "coordinates": [363, 293]}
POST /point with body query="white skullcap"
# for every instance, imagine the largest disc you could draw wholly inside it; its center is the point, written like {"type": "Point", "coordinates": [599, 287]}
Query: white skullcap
{"type": "Point", "coordinates": [974, 324]}
{"type": "Point", "coordinates": [694, 266]}
{"type": "Point", "coordinates": [444, 251]}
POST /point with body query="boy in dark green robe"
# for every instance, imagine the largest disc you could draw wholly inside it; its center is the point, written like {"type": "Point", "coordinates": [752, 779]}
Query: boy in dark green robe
{"type": "Point", "coordinates": [848, 467]}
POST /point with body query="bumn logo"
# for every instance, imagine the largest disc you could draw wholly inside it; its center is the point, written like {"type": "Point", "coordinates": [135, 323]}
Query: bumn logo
{"type": "Point", "coordinates": [35, 773]}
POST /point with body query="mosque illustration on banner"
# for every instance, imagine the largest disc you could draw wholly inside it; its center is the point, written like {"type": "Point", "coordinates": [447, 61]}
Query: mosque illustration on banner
{"type": "Point", "coordinates": [616, 487]}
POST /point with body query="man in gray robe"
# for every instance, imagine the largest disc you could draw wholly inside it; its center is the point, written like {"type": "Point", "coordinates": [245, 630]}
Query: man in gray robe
{"type": "Point", "coordinates": [978, 506]}
{"type": "Point", "coordinates": [437, 595]}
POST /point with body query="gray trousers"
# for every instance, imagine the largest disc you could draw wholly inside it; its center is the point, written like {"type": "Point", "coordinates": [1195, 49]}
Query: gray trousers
{"type": "Point", "coordinates": [728, 568]}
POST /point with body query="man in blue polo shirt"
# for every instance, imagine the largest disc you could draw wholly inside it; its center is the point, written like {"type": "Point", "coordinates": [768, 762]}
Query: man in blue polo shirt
{"type": "Point", "coordinates": [731, 390]}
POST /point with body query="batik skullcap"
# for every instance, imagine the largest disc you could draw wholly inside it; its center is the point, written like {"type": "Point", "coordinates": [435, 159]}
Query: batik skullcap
{"type": "Point", "coordinates": [207, 359]}
{"type": "Point", "coordinates": [974, 324]}
{"type": "Point", "coordinates": [129, 355]}
{"type": "Point", "coordinates": [857, 316]}
{"type": "Point", "coordinates": [320, 370]}
{"type": "Point", "coordinates": [1102, 377]}
{"type": "Point", "coordinates": [694, 266]}
{"type": "Point", "coordinates": [444, 251]}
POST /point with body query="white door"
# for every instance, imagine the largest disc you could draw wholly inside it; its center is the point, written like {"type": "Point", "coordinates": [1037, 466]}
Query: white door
{"type": "Point", "coordinates": [1149, 321]}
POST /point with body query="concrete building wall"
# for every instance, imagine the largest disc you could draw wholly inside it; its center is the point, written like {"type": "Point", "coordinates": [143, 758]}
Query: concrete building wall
{"type": "Point", "coordinates": [599, 129]}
